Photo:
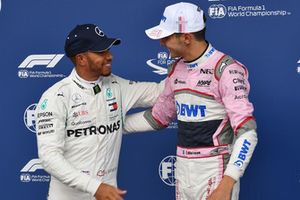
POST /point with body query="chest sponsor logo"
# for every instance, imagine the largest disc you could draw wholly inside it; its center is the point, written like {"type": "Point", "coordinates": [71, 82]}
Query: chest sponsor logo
{"type": "Point", "coordinates": [113, 106]}
{"type": "Point", "coordinates": [80, 113]}
{"type": "Point", "coordinates": [243, 153]}
{"type": "Point", "coordinates": [206, 71]}
{"type": "Point", "coordinates": [109, 93]}
{"type": "Point", "coordinates": [192, 66]}
{"type": "Point", "coordinates": [203, 83]}
{"type": "Point", "coordinates": [190, 110]}
{"type": "Point", "coordinates": [94, 130]}
{"type": "Point", "coordinates": [76, 98]}
{"type": "Point", "coordinates": [179, 81]}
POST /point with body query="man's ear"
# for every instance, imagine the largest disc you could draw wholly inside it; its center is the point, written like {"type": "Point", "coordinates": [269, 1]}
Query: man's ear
{"type": "Point", "coordinates": [187, 38]}
{"type": "Point", "coordinates": [80, 59]}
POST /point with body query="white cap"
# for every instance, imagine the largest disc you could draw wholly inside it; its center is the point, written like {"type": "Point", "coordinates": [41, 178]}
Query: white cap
{"type": "Point", "coordinates": [178, 18]}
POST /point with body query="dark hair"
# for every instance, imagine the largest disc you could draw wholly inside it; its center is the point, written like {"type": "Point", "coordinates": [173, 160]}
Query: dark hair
{"type": "Point", "coordinates": [200, 35]}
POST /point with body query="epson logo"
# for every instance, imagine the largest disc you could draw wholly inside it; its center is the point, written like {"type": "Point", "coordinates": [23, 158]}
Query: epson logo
{"type": "Point", "coordinates": [190, 110]}
{"type": "Point", "coordinates": [29, 117]}
{"type": "Point", "coordinates": [166, 170]}
{"type": "Point", "coordinates": [93, 130]}
{"type": "Point", "coordinates": [217, 11]}
{"type": "Point", "coordinates": [243, 153]}
{"type": "Point", "coordinates": [50, 60]}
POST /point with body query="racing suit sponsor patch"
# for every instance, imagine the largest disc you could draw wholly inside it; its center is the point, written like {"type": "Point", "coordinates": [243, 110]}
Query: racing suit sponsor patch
{"type": "Point", "coordinates": [243, 154]}
{"type": "Point", "coordinates": [94, 130]}
{"type": "Point", "coordinates": [190, 110]}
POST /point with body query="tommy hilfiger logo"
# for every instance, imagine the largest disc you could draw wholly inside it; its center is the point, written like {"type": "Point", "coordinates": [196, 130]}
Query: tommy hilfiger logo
{"type": "Point", "coordinates": [113, 106]}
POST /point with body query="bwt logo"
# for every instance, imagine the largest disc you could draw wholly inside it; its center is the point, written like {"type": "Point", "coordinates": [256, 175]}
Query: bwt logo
{"type": "Point", "coordinates": [32, 166]}
{"type": "Point", "coordinates": [243, 154]}
{"type": "Point", "coordinates": [29, 117]}
{"type": "Point", "coordinates": [217, 11]}
{"type": "Point", "coordinates": [167, 170]}
{"type": "Point", "coordinates": [190, 110]}
{"type": "Point", "coordinates": [38, 59]}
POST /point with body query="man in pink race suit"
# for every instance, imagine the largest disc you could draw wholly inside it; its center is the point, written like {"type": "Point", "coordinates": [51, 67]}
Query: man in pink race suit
{"type": "Point", "coordinates": [207, 91]}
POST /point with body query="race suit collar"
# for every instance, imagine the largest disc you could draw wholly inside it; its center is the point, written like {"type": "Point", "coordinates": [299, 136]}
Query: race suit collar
{"type": "Point", "coordinates": [91, 87]}
{"type": "Point", "coordinates": [203, 58]}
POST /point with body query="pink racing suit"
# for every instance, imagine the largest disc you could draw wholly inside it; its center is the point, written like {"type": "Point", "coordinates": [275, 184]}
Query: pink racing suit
{"type": "Point", "coordinates": [216, 129]}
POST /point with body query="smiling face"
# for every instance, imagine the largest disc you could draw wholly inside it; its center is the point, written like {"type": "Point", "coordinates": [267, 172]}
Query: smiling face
{"type": "Point", "coordinates": [92, 65]}
{"type": "Point", "coordinates": [99, 63]}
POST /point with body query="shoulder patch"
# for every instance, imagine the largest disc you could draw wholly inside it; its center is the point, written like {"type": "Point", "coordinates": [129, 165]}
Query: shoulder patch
{"type": "Point", "coordinates": [222, 64]}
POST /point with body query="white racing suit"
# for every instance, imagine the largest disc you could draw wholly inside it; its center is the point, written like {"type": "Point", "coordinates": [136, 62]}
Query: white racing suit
{"type": "Point", "coordinates": [79, 131]}
{"type": "Point", "coordinates": [216, 129]}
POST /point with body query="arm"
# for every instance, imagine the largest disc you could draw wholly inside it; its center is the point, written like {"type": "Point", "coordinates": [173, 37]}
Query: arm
{"type": "Point", "coordinates": [234, 89]}
{"type": "Point", "coordinates": [51, 115]}
{"type": "Point", "coordinates": [162, 113]}
{"type": "Point", "coordinates": [138, 94]}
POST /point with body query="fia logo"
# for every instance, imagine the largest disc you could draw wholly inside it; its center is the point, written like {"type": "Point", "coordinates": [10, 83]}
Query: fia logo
{"type": "Point", "coordinates": [167, 170]}
{"type": "Point", "coordinates": [217, 11]}
{"type": "Point", "coordinates": [29, 117]}
{"type": "Point", "coordinates": [161, 63]}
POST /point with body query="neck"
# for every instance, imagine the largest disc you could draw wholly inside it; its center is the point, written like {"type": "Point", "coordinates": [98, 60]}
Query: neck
{"type": "Point", "coordinates": [86, 75]}
{"type": "Point", "coordinates": [195, 50]}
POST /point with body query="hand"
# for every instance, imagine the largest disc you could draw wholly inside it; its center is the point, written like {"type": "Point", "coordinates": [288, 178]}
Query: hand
{"type": "Point", "coordinates": [108, 192]}
{"type": "Point", "coordinates": [224, 189]}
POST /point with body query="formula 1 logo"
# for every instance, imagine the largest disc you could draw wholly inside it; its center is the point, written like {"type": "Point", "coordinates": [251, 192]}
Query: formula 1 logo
{"type": "Point", "coordinates": [28, 172]}
{"type": "Point", "coordinates": [167, 170]}
{"type": "Point", "coordinates": [161, 63]}
{"type": "Point", "coordinates": [32, 166]}
{"type": "Point", "coordinates": [217, 11]}
{"type": "Point", "coordinates": [29, 117]}
{"type": "Point", "coordinates": [27, 69]}
{"type": "Point", "coordinates": [50, 60]}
